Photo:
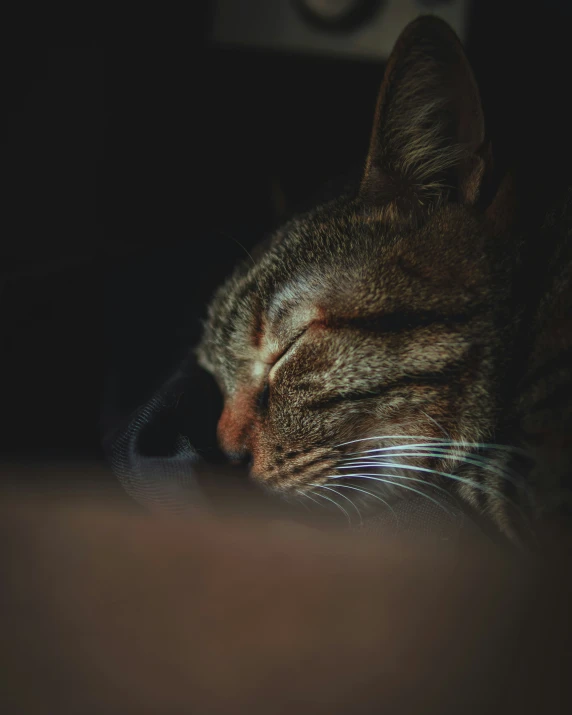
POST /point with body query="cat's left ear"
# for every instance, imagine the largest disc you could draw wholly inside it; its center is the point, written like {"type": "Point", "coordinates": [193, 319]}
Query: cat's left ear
{"type": "Point", "coordinates": [428, 140]}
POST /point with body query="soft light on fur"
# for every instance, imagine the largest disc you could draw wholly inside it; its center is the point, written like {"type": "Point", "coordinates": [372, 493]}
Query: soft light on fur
{"type": "Point", "coordinates": [399, 310]}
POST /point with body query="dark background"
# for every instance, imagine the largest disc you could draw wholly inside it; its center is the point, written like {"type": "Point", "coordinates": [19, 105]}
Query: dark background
{"type": "Point", "coordinates": [137, 164]}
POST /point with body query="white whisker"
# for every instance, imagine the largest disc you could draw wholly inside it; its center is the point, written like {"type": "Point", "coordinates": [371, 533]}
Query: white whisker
{"type": "Point", "coordinates": [395, 484]}
{"type": "Point", "coordinates": [299, 500]}
{"type": "Point", "coordinates": [386, 436]}
{"type": "Point", "coordinates": [463, 480]}
{"type": "Point", "coordinates": [323, 486]}
{"type": "Point", "coordinates": [305, 494]}
{"type": "Point", "coordinates": [398, 476]}
{"type": "Point", "coordinates": [449, 444]}
{"type": "Point", "coordinates": [476, 460]}
{"type": "Point", "coordinates": [443, 430]}
{"type": "Point", "coordinates": [323, 496]}
{"type": "Point", "coordinates": [371, 494]}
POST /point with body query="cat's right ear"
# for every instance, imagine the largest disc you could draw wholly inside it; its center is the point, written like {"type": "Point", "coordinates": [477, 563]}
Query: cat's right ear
{"type": "Point", "coordinates": [428, 140]}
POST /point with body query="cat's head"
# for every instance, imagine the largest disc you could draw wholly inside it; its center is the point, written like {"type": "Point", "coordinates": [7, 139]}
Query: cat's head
{"type": "Point", "coordinates": [372, 317]}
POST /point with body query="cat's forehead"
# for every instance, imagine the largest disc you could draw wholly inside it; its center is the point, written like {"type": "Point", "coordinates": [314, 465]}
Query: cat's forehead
{"type": "Point", "coordinates": [332, 250]}
{"type": "Point", "coordinates": [349, 262]}
{"type": "Point", "coordinates": [338, 252]}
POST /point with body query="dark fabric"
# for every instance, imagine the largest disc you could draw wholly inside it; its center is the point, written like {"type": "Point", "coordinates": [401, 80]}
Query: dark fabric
{"type": "Point", "coordinates": [153, 461]}
{"type": "Point", "coordinates": [155, 395]}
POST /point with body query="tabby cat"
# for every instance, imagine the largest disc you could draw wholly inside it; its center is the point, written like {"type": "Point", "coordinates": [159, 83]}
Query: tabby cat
{"type": "Point", "coordinates": [392, 342]}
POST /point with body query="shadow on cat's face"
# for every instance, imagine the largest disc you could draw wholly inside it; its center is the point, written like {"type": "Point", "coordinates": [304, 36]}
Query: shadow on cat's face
{"type": "Point", "coordinates": [363, 337]}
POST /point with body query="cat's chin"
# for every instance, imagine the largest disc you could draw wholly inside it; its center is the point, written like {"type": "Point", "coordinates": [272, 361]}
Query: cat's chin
{"type": "Point", "coordinates": [290, 470]}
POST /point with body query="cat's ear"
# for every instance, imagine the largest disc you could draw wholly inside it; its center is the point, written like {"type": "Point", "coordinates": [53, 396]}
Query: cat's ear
{"type": "Point", "coordinates": [428, 139]}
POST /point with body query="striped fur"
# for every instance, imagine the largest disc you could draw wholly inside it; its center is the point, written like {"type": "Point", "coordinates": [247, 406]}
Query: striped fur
{"type": "Point", "coordinates": [394, 330]}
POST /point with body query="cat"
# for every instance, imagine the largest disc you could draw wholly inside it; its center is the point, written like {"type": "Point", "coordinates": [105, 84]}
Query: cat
{"type": "Point", "coordinates": [392, 342]}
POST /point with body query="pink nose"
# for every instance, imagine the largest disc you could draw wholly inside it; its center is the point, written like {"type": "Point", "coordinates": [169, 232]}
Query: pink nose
{"type": "Point", "coordinates": [235, 426]}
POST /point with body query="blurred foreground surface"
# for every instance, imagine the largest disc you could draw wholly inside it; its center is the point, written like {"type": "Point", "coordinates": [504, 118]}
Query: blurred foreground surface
{"type": "Point", "coordinates": [108, 610]}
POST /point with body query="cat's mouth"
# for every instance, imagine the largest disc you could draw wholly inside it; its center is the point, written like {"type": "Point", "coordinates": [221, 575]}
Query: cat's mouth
{"type": "Point", "coordinates": [294, 471]}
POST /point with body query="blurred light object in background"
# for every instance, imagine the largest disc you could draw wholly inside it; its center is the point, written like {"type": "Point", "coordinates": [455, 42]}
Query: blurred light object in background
{"type": "Point", "coordinates": [331, 9]}
{"type": "Point", "coordinates": [364, 29]}
{"type": "Point", "coordinates": [338, 15]}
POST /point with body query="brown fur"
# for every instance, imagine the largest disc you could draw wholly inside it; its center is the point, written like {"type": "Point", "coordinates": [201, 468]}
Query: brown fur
{"type": "Point", "coordinates": [405, 309]}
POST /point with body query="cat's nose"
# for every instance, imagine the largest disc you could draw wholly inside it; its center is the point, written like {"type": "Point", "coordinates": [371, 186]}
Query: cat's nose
{"type": "Point", "coordinates": [239, 458]}
{"type": "Point", "coordinates": [231, 440]}
{"type": "Point", "coordinates": [234, 428]}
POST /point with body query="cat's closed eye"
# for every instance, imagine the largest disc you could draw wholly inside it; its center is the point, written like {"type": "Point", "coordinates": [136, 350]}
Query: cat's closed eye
{"type": "Point", "coordinates": [264, 397]}
{"type": "Point", "coordinates": [290, 345]}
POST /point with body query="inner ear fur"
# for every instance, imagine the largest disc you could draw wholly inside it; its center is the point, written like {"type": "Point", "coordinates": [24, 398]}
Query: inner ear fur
{"type": "Point", "coordinates": [428, 140]}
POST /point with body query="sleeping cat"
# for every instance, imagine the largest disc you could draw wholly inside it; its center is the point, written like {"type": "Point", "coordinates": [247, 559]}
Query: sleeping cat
{"type": "Point", "coordinates": [414, 335]}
